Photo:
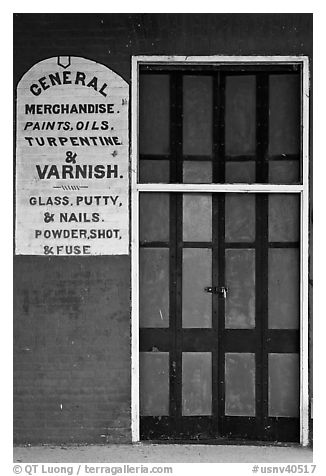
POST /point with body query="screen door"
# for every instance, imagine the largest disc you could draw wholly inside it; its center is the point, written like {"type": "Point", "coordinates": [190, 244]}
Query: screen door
{"type": "Point", "coordinates": [219, 272]}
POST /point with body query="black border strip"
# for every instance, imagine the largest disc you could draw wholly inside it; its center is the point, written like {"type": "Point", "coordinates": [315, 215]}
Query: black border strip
{"type": "Point", "coordinates": [207, 340]}
{"type": "Point", "coordinates": [228, 158]}
{"type": "Point", "coordinates": [230, 68]}
{"type": "Point", "coordinates": [231, 245]}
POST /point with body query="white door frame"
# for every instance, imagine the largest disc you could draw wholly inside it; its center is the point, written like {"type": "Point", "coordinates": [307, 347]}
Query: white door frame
{"type": "Point", "coordinates": [303, 190]}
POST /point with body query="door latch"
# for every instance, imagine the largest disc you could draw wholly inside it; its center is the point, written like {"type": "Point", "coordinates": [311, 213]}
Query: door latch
{"type": "Point", "coordinates": [174, 367]}
{"type": "Point", "coordinates": [219, 290]}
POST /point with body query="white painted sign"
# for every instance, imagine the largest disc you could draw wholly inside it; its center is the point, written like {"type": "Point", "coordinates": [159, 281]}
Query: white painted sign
{"type": "Point", "coordinates": [72, 158]}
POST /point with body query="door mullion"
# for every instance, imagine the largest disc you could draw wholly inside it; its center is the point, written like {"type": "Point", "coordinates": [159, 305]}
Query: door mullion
{"type": "Point", "coordinates": [176, 133]}
{"type": "Point", "coordinates": [262, 128]}
{"type": "Point", "coordinates": [178, 324]}
{"type": "Point", "coordinates": [219, 128]}
{"type": "Point", "coordinates": [215, 314]}
{"type": "Point", "coordinates": [173, 309]}
{"type": "Point", "coordinates": [221, 312]}
{"type": "Point", "coordinates": [218, 245]}
{"type": "Point", "coordinates": [173, 246]}
{"type": "Point", "coordinates": [261, 313]}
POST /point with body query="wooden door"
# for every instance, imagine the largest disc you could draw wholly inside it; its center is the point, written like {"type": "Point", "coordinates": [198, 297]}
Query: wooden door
{"type": "Point", "coordinates": [219, 273]}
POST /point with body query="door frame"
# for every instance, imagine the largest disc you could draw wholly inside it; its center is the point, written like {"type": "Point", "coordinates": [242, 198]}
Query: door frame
{"type": "Point", "coordinates": [302, 189]}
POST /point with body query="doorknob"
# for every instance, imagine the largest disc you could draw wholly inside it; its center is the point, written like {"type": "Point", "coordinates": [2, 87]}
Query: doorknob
{"type": "Point", "coordinates": [219, 290]}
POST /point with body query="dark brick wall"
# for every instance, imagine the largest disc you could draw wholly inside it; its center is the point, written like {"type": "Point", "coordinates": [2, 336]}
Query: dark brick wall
{"type": "Point", "coordinates": [72, 315]}
{"type": "Point", "coordinates": [72, 349]}
{"type": "Point", "coordinates": [111, 39]}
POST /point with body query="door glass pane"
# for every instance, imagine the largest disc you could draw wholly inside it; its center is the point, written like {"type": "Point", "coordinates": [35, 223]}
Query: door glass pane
{"type": "Point", "coordinates": [240, 172]}
{"type": "Point", "coordinates": [284, 114]}
{"type": "Point", "coordinates": [196, 275]}
{"type": "Point", "coordinates": [240, 377]}
{"type": "Point", "coordinates": [283, 288]}
{"type": "Point", "coordinates": [154, 114]}
{"type": "Point", "coordinates": [197, 217]}
{"type": "Point", "coordinates": [240, 115]}
{"type": "Point", "coordinates": [240, 217]}
{"type": "Point", "coordinates": [240, 281]}
{"type": "Point", "coordinates": [284, 385]}
{"type": "Point", "coordinates": [154, 383]}
{"type": "Point", "coordinates": [154, 287]}
{"type": "Point", "coordinates": [154, 220]}
{"type": "Point", "coordinates": [196, 383]}
{"type": "Point", "coordinates": [197, 115]}
{"type": "Point", "coordinates": [154, 171]}
{"type": "Point", "coordinates": [197, 171]}
{"type": "Point", "coordinates": [284, 221]}
{"type": "Point", "coordinates": [286, 171]}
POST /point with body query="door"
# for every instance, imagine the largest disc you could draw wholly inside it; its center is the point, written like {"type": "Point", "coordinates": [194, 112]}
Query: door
{"type": "Point", "coordinates": [219, 273]}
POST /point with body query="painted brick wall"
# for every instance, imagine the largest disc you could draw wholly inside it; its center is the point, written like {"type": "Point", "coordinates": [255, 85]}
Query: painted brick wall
{"type": "Point", "coordinates": [72, 315]}
{"type": "Point", "coordinates": [72, 349]}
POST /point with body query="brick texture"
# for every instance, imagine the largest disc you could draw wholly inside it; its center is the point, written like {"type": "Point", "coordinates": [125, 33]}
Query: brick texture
{"type": "Point", "coordinates": [72, 350]}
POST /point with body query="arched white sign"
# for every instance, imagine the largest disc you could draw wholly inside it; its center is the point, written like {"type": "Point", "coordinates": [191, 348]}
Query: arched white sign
{"type": "Point", "coordinates": [72, 155]}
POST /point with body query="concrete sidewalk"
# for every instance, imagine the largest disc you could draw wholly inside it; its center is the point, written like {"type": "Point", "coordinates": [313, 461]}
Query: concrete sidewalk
{"type": "Point", "coordinates": [163, 453]}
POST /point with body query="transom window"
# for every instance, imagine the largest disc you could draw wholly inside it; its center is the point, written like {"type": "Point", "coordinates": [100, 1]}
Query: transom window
{"type": "Point", "coordinates": [221, 124]}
